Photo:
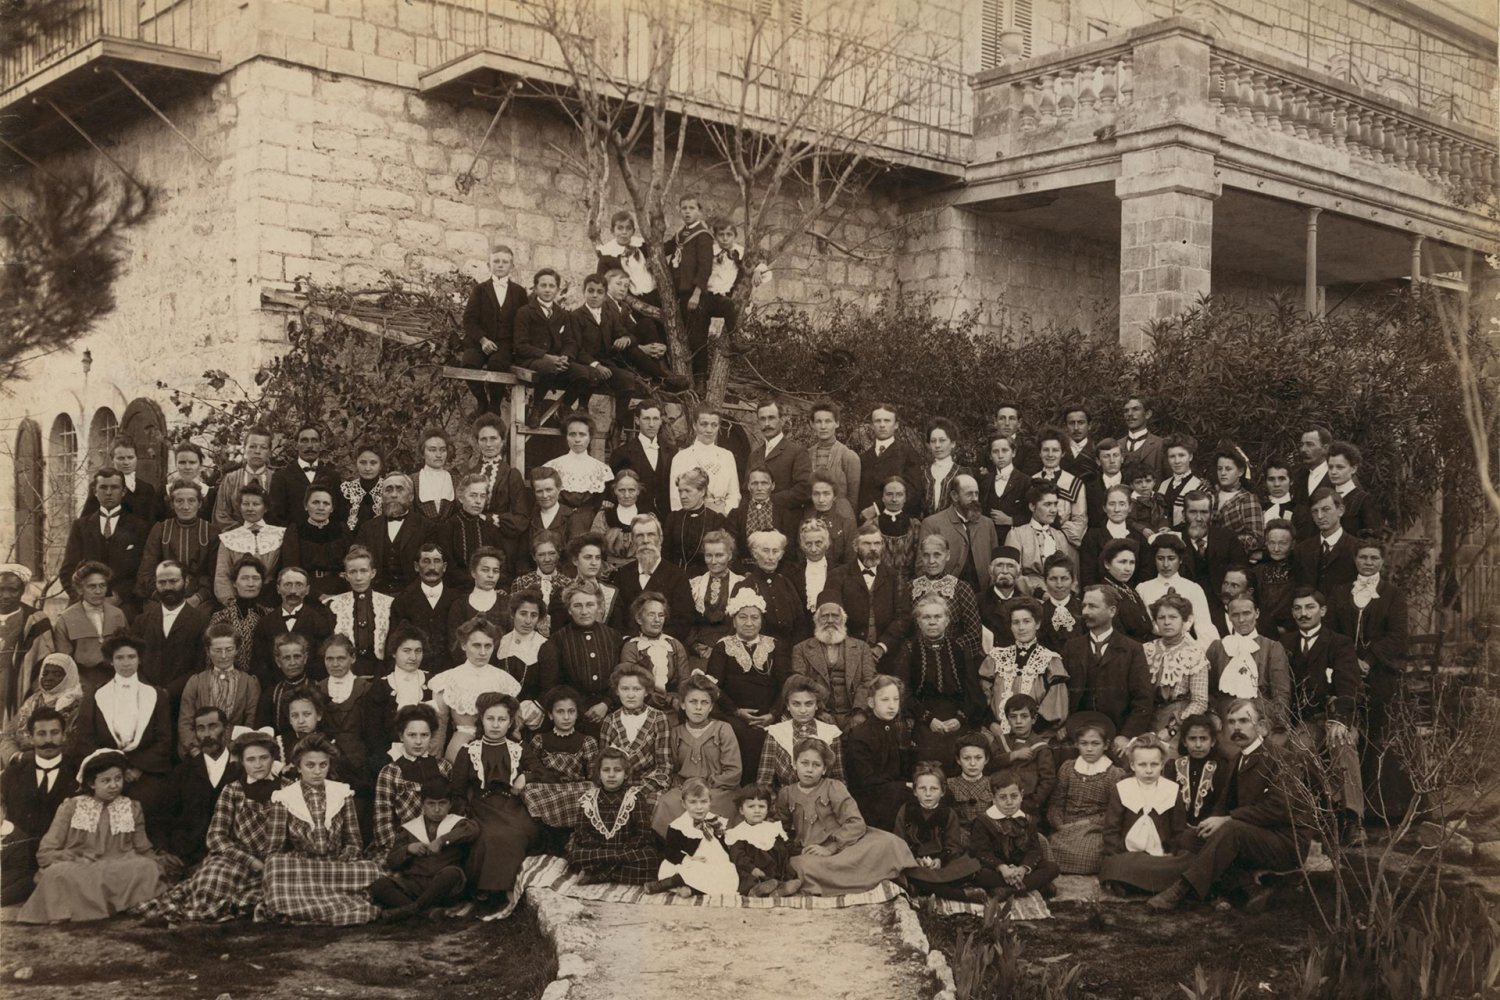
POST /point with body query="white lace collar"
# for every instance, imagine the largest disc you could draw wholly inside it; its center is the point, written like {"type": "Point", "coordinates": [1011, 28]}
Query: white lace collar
{"type": "Point", "coordinates": [86, 815]}
{"type": "Point", "coordinates": [1097, 767]}
{"type": "Point", "coordinates": [761, 836]}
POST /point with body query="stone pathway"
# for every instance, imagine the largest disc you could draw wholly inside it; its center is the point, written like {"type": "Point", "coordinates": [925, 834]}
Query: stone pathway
{"type": "Point", "coordinates": [616, 951]}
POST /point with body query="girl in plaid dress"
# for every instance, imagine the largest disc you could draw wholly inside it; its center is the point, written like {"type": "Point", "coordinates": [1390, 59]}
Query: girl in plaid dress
{"type": "Point", "coordinates": [1081, 797]}
{"type": "Point", "coordinates": [613, 841]}
{"type": "Point", "coordinates": [398, 788]}
{"type": "Point", "coordinates": [245, 827]}
{"type": "Point", "coordinates": [643, 732]}
{"type": "Point", "coordinates": [316, 876]}
{"type": "Point", "coordinates": [488, 778]}
{"type": "Point", "coordinates": [801, 697]}
{"type": "Point", "coordinates": [565, 758]}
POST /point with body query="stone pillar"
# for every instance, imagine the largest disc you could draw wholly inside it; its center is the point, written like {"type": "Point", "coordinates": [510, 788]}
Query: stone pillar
{"type": "Point", "coordinates": [1166, 234]}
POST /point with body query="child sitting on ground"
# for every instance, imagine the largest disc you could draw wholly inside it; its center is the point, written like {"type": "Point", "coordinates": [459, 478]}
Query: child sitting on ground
{"type": "Point", "coordinates": [933, 830]}
{"type": "Point", "coordinates": [427, 863]}
{"type": "Point", "coordinates": [564, 760]}
{"type": "Point", "coordinates": [703, 747]}
{"type": "Point", "coordinates": [969, 789]}
{"type": "Point", "coordinates": [839, 853]}
{"type": "Point", "coordinates": [1201, 770]}
{"type": "Point", "coordinates": [760, 847]}
{"type": "Point", "coordinates": [694, 858]}
{"type": "Point", "coordinates": [1075, 811]}
{"type": "Point", "coordinates": [1006, 844]}
{"type": "Point", "coordinates": [1029, 754]}
{"type": "Point", "coordinates": [612, 841]}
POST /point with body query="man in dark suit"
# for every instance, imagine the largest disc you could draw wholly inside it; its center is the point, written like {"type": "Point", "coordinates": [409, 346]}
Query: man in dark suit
{"type": "Point", "coordinates": [1004, 589]}
{"type": "Point", "coordinates": [1236, 583]}
{"type": "Point", "coordinates": [877, 602]}
{"type": "Point", "coordinates": [1139, 444]}
{"type": "Point", "coordinates": [592, 331]}
{"type": "Point", "coordinates": [197, 783]}
{"type": "Point", "coordinates": [141, 498]}
{"type": "Point", "coordinates": [1325, 561]}
{"type": "Point", "coordinates": [284, 500]}
{"type": "Point", "coordinates": [1107, 672]}
{"type": "Point", "coordinates": [649, 455]}
{"type": "Point", "coordinates": [490, 326]}
{"type": "Point", "coordinates": [1110, 473]}
{"type": "Point", "coordinates": [1326, 686]}
{"type": "Point", "coordinates": [789, 463]}
{"type": "Point", "coordinates": [1253, 827]}
{"type": "Point", "coordinates": [1002, 487]}
{"type": "Point", "coordinates": [113, 536]}
{"type": "Point", "coordinates": [542, 342]}
{"type": "Point", "coordinates": [32, 786]}
{"type": "Point", "coordinates": [171, 634]}
{"type": "Point", "coordinates": [1079, 457]}
{"type": "Point", "coordinates": [1314, 445]}
{"type": "Point", "coordinates": [648, 571]}
{"type": "Point", "coordinates": [1008, 422]}
{"type": "Point", "coordinates": [295, 614]}
{"type": "Point", "coordinates": [970, 536]}
{"type": "Point", "coordinates": [888, 455]}
{"type": "Point", "coordinates": [395, 538]}
{"type": "Point", "coordinates": [425, 604]}
{"type": "Point", "coordinates": [1211, 550]}
{"type": "Point", "coordinates": [549, 513]}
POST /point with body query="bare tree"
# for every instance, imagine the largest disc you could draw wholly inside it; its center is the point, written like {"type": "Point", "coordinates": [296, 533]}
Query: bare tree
{"type": "Point", "coordinates": [799, 114]}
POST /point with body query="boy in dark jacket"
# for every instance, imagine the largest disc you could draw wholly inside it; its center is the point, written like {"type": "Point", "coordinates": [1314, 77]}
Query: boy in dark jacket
{"type": "Point", "coordinates": [427, 863]}
{"type": "Point", "coordinates": [1005, 842]}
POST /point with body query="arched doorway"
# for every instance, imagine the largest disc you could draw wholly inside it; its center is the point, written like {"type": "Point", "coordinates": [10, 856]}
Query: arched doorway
{"type": "Point", "coordinates": [102, 431]}
{"type": "Point", "coordinates": [31, 479]}
{"type": "Point", "coordinates": [64, 474]}
{"type": "Point", "coordinates": [144, 424]}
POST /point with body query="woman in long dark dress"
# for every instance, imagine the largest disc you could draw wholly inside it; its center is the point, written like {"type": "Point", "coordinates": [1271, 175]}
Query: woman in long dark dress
{"type": "Point", "coordinates": [318, 543]}
{"type": "Point", "coordinates": [244, 612]}
{"type": "Point", "coordinates": [750, 669]}
{"type": "Point", "coordinates": [1091, 552]}
{"type": "Point", "coordinates": [946, 696]}
{"type": "Point", "coordinates": [1119, 558]}
{"type": "Point", "coordinates": [489, 776]}
{"type": "Point", "coordinates": [685, 528]}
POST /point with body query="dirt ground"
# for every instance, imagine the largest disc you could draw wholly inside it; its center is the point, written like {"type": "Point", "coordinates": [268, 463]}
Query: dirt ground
{"type": "Point", "coordinates": [1129, 952]}
{"type": "Point", "coordinates": [120, 958]}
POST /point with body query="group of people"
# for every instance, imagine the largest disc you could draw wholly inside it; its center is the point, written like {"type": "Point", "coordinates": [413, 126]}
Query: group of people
{"type": "Point", "coordinates": [328, 698]}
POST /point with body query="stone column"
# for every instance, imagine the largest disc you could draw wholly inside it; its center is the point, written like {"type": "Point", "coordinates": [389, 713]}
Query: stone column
{"type": "Point", "coordinates": [1166, 234]}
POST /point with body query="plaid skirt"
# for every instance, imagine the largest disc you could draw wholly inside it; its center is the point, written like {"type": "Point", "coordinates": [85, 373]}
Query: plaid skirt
{"type": "Point", "coordinates": [303, 890]}
{"type": "Point", "coordinates": [628, 859]}
{"type": "Point", "coordinates": [556, 804]}
{"type": "Point", "coordinates": [226, 885]}
{"type": "Point", "coordinates": [1078, 847]}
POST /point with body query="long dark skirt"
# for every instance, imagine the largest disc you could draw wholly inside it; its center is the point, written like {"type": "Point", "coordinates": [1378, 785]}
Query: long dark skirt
{"type": "Point", "coordinates": [938, 746]}
{"type": "Point", "coordinates": [506, 831]}
{"type": "Point", "coordinates": [1144, 871]}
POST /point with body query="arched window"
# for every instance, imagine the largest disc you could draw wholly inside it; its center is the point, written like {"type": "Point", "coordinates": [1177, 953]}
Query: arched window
{"type": "Point", "coordinates": [144, 424]}
{"type": "Point", "coordinates": [102, 431]}
{"type": "Point", "coordinates": [64, 473]}
{"type": "Point", "coordinates": [31, 483]}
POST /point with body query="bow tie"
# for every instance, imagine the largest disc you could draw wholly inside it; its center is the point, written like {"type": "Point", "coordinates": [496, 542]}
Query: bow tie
{"type": "Point", "coordinates": [868, 571]}
{"type": "Point", "coordinates": [733, 255]}
{"type": "Point", "coordinates": [395, 518]}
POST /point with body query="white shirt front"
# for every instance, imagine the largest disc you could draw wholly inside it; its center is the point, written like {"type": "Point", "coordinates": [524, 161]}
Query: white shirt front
{"type": "Point", "coordinates": [548, 516]}
{"type": "Point", "coordinates": [393, 528]}
{"type": "Point", "coordinates": [1345, 489]}
{"type": "Point", "coordinates": [1110, 482]}
{"type": "Point", "coordinates": [1329, 541]}
{"type": "Point", "coordinates": [1315, 476]}
{"type": "Point", "coordinates": [215, 767]}
{"type": "Point", "coordinates": [434, 484]}
{"type": "Point", "coordinates": [47, 772]}
{"type": "Point", "coordinates": [169, 618]}
{"type": "Point", "coordinates": [651, 447]}
{"type": "Point", "coordinates": [433, 594]}
{"type": "Point", "coordinates": [815, 575]}
{"type": "Point", "coordinates": [772, 443]}
{"type": "Point", "coordinates": [109, 520]}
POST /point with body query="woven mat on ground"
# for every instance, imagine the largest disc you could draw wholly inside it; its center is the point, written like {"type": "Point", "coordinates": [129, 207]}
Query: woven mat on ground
{"type": "Point", "coordinates": [1028, 907]}
{"type": "Point", "coordinates": [550, 872]}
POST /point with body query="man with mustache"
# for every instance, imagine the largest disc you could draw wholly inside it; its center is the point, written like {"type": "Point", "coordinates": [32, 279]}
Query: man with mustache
{"type": "Point", "coordinates": [171, 632]}
{"type": "Point", "coordinates": [394, 539]}
{"type": "Point", "coordinates": [843, 664]}
{"type": "Point", "coordinates": [197, 782]}
{"type": "Point", "coordinates": [970, 535]}
{"type": "Point", "coordinates": [1254, 826]}
{"type": "Point", "coordinates": [31, 789]}
{"type": "Point", "coordinates": [648, 571]}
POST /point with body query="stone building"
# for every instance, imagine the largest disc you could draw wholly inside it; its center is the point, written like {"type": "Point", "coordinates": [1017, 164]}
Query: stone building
{"type": "Point", "coordinates": [1091, 163]}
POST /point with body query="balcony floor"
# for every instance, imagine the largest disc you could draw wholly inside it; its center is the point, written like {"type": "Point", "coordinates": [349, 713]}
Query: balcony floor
{"type": "Point", "coordinates": [1253, 233]}
{"type": "Point", "coordinates": [82, 85]}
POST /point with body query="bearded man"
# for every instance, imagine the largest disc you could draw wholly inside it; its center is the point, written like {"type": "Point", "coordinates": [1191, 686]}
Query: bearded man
{"type": "Point", "coordinates": [969, 534]}
{"type": "Point", "coordinates": [845, 666]}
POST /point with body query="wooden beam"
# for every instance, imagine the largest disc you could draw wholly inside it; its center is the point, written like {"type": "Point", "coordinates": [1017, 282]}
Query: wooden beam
{"type": "Point", "coordinates": [512, 377]}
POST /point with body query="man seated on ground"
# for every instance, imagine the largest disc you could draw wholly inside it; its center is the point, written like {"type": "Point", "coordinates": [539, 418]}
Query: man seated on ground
{"type": "Point", "coordinates": [1254, 827]}
{"type": "Point", "coordinates": [197, 782]}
